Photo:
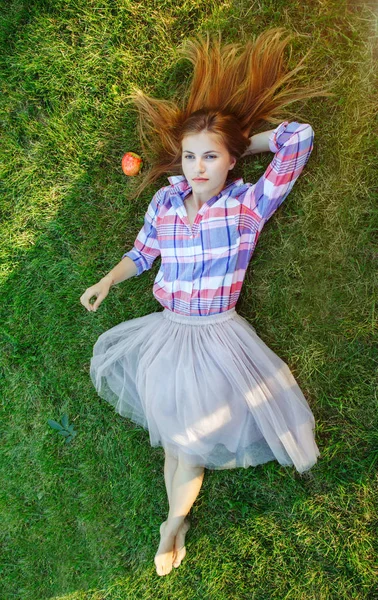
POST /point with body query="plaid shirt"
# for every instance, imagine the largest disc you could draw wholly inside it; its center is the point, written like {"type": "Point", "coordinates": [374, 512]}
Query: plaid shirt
{"type": "Point", "coordinates": [203, 266]}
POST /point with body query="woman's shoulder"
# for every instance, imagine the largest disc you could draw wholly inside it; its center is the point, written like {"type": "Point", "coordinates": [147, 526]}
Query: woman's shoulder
{"type": "Point", "coordinates": [163, 195]}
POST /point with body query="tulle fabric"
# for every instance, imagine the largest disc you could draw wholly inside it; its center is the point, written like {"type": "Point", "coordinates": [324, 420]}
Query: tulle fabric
{"type": "Point", "coordinates": [207, 389]}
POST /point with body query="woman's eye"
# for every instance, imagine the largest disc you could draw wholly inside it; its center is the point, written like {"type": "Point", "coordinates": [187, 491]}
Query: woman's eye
{"type": "Point", "coordinates": [207, 156]}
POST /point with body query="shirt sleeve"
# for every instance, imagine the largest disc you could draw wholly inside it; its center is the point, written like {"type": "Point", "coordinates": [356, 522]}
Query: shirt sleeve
{"type": "Point", "coordinates": [146, 246]}
{"type": "Point", "coordinates": [292, 144]}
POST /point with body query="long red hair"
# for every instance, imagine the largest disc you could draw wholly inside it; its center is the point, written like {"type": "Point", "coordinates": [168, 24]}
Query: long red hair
{"type": "Point", "coordinates": [235, 89]}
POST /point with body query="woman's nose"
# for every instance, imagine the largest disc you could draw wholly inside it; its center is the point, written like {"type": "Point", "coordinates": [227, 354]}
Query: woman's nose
{"type": "Point", "coordinates": [200, 165]}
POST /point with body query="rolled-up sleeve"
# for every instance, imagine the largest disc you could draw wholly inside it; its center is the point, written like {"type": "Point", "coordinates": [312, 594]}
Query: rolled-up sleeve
{"type": "Point", "coordinates": [146, 246]}
{"type": "Point", "coordinates": [292, 143]}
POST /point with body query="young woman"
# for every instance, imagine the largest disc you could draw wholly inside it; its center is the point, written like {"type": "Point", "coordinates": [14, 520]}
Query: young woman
{"type": "Point", "coordinates": [196, 375]}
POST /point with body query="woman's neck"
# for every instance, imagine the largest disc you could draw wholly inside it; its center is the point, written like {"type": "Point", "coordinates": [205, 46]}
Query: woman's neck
{"type": "Point", "coordinates": [198, 199]}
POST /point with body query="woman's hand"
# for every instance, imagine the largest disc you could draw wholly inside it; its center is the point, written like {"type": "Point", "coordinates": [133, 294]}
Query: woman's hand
{"type": "Point", "coordinates": [258, 143]}
{"type": "Point", "coordinates": [100, 290]}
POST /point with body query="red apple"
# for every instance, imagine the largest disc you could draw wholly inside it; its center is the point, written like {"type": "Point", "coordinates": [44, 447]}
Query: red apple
{"type": "Point", "coordinates": [131, 163]}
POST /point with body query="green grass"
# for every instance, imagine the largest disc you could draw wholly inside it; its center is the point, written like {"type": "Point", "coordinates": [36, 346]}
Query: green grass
{"type": "Point", "coordinates": [80, 521]}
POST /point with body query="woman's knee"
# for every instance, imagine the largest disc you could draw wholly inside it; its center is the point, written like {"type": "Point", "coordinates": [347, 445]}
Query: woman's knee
{"type": "Point", "coordinates": [188, 466]}
{"type": "Point", "coordinates": [170, 457]}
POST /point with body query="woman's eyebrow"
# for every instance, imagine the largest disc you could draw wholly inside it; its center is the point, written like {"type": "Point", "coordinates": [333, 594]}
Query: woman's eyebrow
{"type": "Point", "coordinates": [207, 151]}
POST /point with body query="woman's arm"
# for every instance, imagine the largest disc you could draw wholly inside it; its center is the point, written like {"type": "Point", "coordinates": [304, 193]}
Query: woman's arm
{"type": "Point", "coordinates": [138, 259]}
{"type": "Point", "coordinates": [259, 143]}
{"type": "Point", "coordinates": [293, 143]}
{"type": "Point", "coordinates": [146, 246]}
{"type": "Point", "coordinates": [126, 268]}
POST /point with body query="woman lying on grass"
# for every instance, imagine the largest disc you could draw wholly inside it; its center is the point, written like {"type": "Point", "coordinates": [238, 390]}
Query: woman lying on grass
{"type": "Point", "coordinates": [196, 375]}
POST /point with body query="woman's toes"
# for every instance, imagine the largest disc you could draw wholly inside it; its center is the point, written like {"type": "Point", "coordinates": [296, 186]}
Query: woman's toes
{"type": "Point", "coordinates": [163, 564]}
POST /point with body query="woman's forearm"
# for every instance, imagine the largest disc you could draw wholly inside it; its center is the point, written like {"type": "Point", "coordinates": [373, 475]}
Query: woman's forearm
{"type": "Point", "coordinates": [259, 143]}
{"type": "Point", "coordinates": [126, 268]}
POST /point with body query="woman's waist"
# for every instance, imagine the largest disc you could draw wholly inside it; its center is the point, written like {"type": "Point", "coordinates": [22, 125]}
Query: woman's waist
{"type": "Point", "coordinates": [195, 318]}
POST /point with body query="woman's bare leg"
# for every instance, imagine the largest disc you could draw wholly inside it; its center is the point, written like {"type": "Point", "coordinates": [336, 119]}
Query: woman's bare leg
{"type": "Point", "coordinates": [186, 484]}
{"type": "Point", "coordinates": [179, 552]}
{"type": "Point", "coordinates": [170, 466]}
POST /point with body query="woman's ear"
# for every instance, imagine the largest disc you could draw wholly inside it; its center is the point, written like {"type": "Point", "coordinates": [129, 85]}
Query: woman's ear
{"type": "Point", "coordinates": [233, 163]}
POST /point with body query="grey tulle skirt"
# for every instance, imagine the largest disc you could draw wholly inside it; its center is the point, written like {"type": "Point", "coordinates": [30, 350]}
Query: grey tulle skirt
{"type": "Point", "coordinates": [207, 389]}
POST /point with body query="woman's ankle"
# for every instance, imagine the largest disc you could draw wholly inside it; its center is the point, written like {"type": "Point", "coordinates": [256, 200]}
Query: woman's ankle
{"type": "Point", "coordinates": [173, 525]}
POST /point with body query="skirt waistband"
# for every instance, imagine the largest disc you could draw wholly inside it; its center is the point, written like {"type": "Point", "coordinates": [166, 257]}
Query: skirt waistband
{"type": "Point", "coordinates": [197, 320]}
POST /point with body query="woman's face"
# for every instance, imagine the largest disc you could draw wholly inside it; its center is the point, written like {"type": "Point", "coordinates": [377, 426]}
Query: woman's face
{"type": "Point", "coordinates": [205, 163]}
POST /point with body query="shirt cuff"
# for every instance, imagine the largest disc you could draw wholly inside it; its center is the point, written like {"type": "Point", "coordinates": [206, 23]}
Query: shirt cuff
{"type": "Point", "coordinates": [273, 146]}
{"type": "Point", "coordinates": [135, 257]}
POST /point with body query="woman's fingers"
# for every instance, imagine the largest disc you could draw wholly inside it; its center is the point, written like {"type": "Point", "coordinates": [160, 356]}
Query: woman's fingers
{"type": "Point", "coordinates": [84, 299]}
{"type": "Point", "coordinates": [100, 291]}
{"type": "Point", "coordinates": [100, 298]}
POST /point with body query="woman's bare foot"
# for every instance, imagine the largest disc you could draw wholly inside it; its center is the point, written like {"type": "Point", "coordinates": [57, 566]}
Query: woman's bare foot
{"type": "Point", "coordinates": [180, 549]}
{"type": "Point", "coordinates": [171, 549]}
{"type": "Point", "coordinates": [165, 555]}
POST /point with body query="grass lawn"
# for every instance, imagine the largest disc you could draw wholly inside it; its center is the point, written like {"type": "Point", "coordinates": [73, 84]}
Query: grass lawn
{"type": "Point", "coordinates": [80, 521]}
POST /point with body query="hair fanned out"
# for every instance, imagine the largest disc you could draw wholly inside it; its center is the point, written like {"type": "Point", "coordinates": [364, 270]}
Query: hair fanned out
{"type": "Point", "coordinates": [245, 83]}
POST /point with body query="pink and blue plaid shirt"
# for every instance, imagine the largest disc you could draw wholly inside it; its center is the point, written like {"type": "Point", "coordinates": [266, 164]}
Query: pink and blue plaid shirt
{"type": "Point", "coordinates": [203, 266]}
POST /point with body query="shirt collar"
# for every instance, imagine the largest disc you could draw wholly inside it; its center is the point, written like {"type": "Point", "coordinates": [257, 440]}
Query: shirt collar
{"type": "Point", "coordinates": [176, 179]}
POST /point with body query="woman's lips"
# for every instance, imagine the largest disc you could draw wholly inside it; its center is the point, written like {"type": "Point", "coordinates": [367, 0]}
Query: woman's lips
{"type": "Point", "coordinates": [200, 179]}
